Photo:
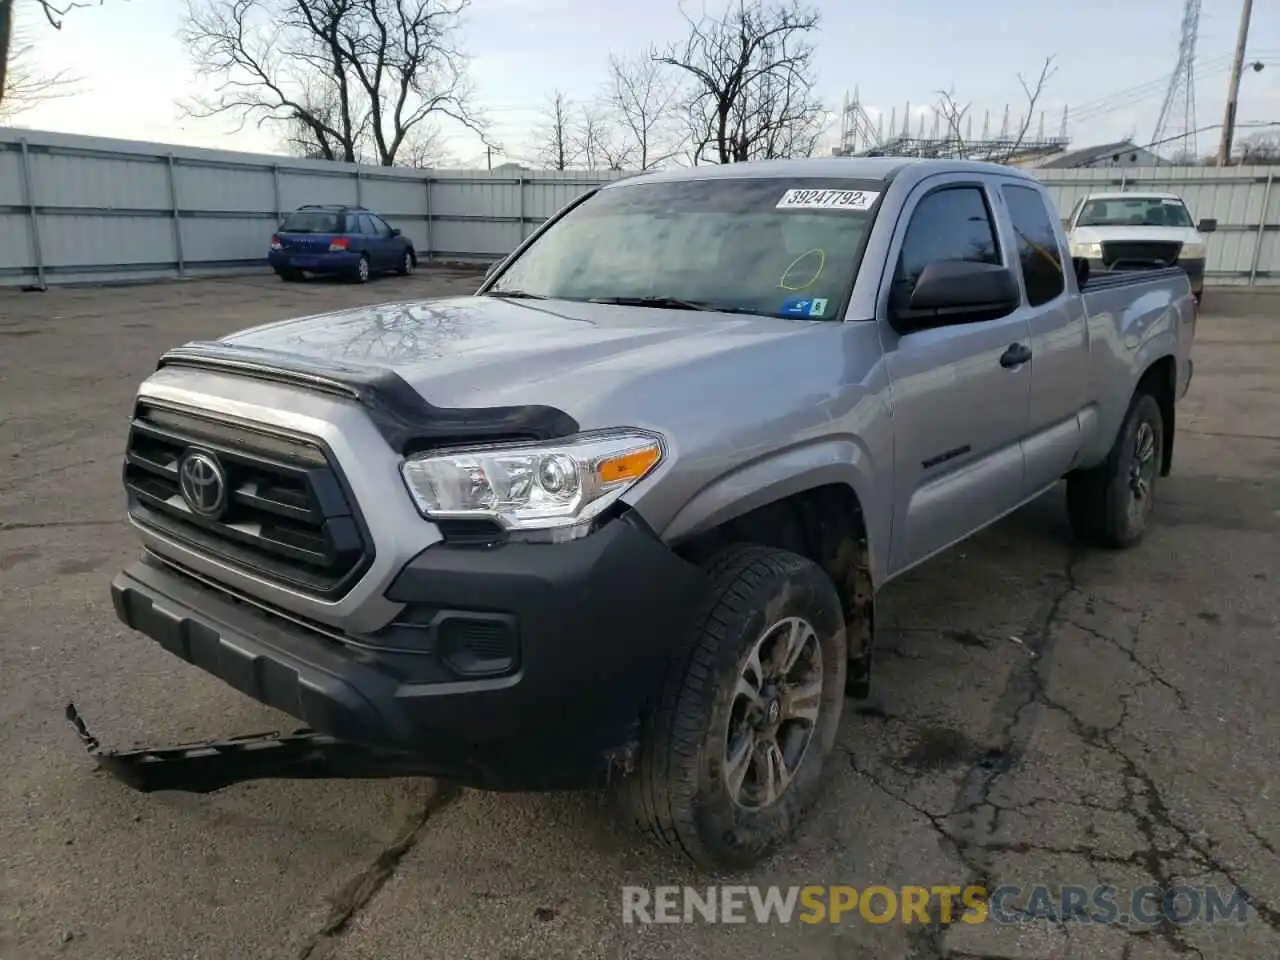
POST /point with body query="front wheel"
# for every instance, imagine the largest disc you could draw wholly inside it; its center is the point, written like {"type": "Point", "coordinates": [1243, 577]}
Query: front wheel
{"type": "Point", "coordinates": [733, 752]}
{"type": "Point", "coordinates": [407, 263]}
{"type": "Point", "coordinates": [1111, 504]}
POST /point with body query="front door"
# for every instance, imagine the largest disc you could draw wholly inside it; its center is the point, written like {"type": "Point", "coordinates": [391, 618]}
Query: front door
{"type": "Point", "coordinates": [959, 405]}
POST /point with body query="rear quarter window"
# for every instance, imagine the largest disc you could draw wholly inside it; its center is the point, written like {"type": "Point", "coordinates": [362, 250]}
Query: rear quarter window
{"type": "Point", "coordinates": [1039, 256]}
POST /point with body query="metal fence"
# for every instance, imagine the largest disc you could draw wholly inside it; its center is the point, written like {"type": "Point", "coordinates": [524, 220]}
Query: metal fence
{"type": "Point", "coordinates": [78, 208]}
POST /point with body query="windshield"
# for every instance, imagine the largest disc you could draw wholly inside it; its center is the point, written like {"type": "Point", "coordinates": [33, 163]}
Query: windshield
{"type": "Point", "coordinates": [775, 247]}
{"type": "Point", "coordinates": [311, 221]}
{"type": "Point", "coordinates": [1134, 212]}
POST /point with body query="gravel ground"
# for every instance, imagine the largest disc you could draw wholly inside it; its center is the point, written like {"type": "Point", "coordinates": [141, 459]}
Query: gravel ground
{"type": "Point", "coordinates": [1041, 716]}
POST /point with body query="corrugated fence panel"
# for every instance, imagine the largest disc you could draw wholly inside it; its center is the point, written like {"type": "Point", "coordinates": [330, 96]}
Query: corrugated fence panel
{"type": "Point", "coordinates": [99, 183]}
{"type": "Point", "coordinates": [204, 188]}
{"type": "Point", "coordinates": [97, 209]}
{"type": "Point", "coordinates": [15, 242]}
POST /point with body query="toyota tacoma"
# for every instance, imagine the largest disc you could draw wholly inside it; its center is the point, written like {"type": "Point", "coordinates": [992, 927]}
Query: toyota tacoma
{"type": "Point", "coordinates": [622, 514]}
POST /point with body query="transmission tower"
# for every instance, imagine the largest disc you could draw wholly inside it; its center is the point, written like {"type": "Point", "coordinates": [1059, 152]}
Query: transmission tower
{"type": "Point", "coordinates": [1175, 131]}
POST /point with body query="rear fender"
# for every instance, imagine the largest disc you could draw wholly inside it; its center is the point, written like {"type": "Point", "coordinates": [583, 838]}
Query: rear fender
{"type": "Point", "coordinates": [1145, 332]}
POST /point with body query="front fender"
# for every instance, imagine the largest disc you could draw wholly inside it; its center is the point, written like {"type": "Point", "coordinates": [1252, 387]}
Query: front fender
{"type": "Point", "coordinates": [782, 474]}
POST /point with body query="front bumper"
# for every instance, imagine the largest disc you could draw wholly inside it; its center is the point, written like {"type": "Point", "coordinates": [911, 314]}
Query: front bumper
{"type": "Point", "coordinates": [595, 621]}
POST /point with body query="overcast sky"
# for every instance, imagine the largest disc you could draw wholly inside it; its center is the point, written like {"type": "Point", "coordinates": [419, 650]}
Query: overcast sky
{"type": "Point", "coordinates": [132, 66]}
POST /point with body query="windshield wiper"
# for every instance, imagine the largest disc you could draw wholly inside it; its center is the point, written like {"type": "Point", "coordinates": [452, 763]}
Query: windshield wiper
{"type": "Point", "coordinates": [516, 295]}
{"type": "Point", "coordinates": [669, 303]}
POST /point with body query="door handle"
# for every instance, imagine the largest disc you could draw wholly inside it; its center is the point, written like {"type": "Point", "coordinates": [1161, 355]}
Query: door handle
{"type": "Point", "coordinates": [1015, 356]}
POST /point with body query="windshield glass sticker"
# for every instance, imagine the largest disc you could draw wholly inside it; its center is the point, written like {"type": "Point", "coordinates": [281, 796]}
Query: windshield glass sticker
{"type": "Point", "coordinates": [827, 200]}
{"type": "Point", "coordinates": [804, 307]}
{"type": "Point", "coordinates": [788, 282]}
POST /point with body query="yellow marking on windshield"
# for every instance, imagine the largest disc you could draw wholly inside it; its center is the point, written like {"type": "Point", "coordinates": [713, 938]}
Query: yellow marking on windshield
{"type": "Point", "coordinates": [822, 265]}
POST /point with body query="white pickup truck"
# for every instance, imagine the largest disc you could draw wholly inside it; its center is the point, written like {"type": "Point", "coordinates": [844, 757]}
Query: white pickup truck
{"type": "Point", "coordinates": [1139, 231]}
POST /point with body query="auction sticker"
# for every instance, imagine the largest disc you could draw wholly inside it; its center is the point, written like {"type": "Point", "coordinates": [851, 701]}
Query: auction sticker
{"type": "Point", "coordinates": [827, 200]}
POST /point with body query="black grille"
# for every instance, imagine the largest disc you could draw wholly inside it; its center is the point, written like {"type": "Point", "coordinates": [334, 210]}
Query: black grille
{"type": "Point", "coordinates": [1136, 254]}
{"type": "Point", "coordinates": [288, 517]}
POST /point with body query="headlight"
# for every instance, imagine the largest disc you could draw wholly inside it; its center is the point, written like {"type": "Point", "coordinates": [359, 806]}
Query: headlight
{"type": "Point", "coordinates": [1192, 251]}
{"type": "Point", "coordinates": [557, 486]}
{"type": "Point", "coordinates": [1090, 251]}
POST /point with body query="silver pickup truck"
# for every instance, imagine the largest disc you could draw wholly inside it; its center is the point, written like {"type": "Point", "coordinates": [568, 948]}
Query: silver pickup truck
{"type": "Point", "coordinates": [623, 513]}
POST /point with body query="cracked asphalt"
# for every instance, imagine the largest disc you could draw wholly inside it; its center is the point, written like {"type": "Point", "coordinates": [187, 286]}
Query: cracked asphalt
{"type": "Point", "coordinates": [1042, 716]}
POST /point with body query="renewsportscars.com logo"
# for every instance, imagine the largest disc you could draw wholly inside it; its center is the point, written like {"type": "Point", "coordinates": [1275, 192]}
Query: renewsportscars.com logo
{"type": "Point", "coordinates": [1144, 906]}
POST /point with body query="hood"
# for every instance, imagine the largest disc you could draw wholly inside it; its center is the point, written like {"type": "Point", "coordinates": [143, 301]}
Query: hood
{"type": "Point", "coordinates": [479, 351]}
{"type": "Point", "coordinates": [1135, 233]}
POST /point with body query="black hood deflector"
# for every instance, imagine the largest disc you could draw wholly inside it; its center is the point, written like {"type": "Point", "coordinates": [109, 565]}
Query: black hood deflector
{"type": "Point", "coordinates": [402, 415]}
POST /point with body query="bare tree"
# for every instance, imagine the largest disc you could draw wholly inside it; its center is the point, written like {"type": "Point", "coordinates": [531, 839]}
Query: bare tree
{"type": "Point", "coordinates": [751, 81]}
{"type": "Point", "coordinates": [352, 76]}
{"type": "Point", "coordinates": [22, 85]}
{"type": "Point", "coordinates": [598, 139]}
{"type": "Point", "coordinates": [952, 113]}
{"type": "Point", "coordinates": [555, 146]}
{"type": "Point", "coordinates": [309, 132]}
{"type": "Point", "coordinates": [55, 11]}
{"type": "Point", "coordinates": [645, 96]}
{"type": "Point", "coordinates": [1032, 92]}
{"type": "Point", "coordinates": [26, 85]}
{"type": "Point", "coordinates": [423, 149]}
{"type": "Point", "coordinates": [1260, 149]}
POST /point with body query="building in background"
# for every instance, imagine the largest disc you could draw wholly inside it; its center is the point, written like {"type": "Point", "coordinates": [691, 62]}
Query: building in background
{"type": "Point", "coordinates": [1123, 153]}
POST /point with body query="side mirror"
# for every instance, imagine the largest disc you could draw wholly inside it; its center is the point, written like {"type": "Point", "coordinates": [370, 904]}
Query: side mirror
{"type": "Point", "coordinates": [395, 231]}
{"type": "Point", "coordinates": [1081, 266]}
{"type": "Point", "coordinates": [959, 291]}
{"type": "Point", "coordinates": [1207, 225]}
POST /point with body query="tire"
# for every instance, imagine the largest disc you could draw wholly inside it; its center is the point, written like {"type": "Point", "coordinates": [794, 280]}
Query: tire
{"type": "Point", "coordinates": [407, 264]}
{"type": "Point", "coordinates": [289, 276]}
{"type": "Point", "coordinates": [692, 737]}
{"type": "Point", "coordinates": [1111, 505]}
{"type": "Point", "coordinates": [363, 270]}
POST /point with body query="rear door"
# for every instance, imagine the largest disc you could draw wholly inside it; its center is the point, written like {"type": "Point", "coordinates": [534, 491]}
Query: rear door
{"type": "Point", "coordinates": [369, 240]}
{"type": "Point", "coordinates": [390, 246]}
{"type": "Point", "coordinates": [1057, 326]}
{"type": "Point", "coordinates": [959, 415]}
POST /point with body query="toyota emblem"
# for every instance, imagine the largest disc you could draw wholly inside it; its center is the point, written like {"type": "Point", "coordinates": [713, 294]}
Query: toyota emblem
{"type": "Point", "coordinates": [203, 483]}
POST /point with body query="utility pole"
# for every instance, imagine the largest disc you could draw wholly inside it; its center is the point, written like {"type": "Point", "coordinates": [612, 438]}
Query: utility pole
{"type": "Point", "coordinates": [1233, 91]}
{"type": "Point", "coordinates": [488, 152]}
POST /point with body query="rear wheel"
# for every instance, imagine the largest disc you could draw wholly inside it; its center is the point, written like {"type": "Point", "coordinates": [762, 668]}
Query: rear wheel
{"type": "Point", "coordinates": [363, 270]}
{"type": "Point", "coordinates": [733, 752]}
{"type": "Point", "coordinates": [288, 275]}
{"type": "Point", "coordinates": [1111, 505]}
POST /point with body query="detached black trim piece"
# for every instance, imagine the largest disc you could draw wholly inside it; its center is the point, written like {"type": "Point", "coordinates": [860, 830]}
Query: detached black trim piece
{"type": "Point", "coordinates": [404, 418]}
